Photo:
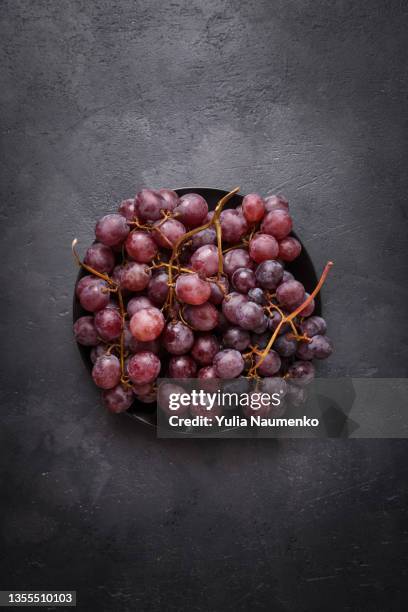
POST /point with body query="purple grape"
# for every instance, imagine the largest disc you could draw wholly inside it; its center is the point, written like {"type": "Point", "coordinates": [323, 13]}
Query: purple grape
{"type": "Point", "coordinates": [277, 223]}
{"type": "Point", "coordinates": [119, 399]}
{"type": "Point", "coordinates": [257, 295]}
{"type": "Point", "coordinates": [100, 257]}
{"type": "Point", "coordinates": [228, 363]}
{"type": "Point", "coordinates": [106, 372]}
{"type": "Point", "coordinates": [127, 209]}
{"type": "Point", "coordinates": [112, 229]}
{"type": "Point", "coordinates": [290, 294]}
{"type": "Point", "coordinates": [138, 303]}
{"type": "Point", "coordinates": [135, 276]}
{"type": "Point", "coordinates": [191, 289]}
{"type": "Point", "coordinates": [236, 258]}
{"type": "Point", "coordinates": [149, 205]}
{"type": "Point", "coordinates": [270, 365]}
{"type": "Point", "coordinates": [236, 338]}
{"type": "Point", "coordinates": [217, 294]}
{"type": "Point", "coordinates": [147, 324]}
{"type": "Point", "coordinates": [192, 210]}
{"type": "Point", "coordinates": [158, 288]}
{"type": "Point", "coordinates": [321, 346]}
{"type": "Point", "coordinates": [108, 324]}
{"type": "Point", "coordinates": [94, 295]}
{"type": "Point", "coordinates": [140, 246]}
{"type": "Point", "coordinates": [177, 338]}
{"type": "Point", "coordinates": [249, 315]}
{"type": "Point", "coordinates": [207, 373]}
{"type": "Point", "coordinates": [182, 366]}
{"type": "Point", "coordinates": [233, 226]}
{"type": "Point", "coordinates": [203, 317]}
{"type": "Point", "coordinates": [289, 249]}
{"type": "Point", "coordinates": [206, 236]}
{"type": "Point", "coordinates": [205, 260]}
{"type": "Point", "coordinates": [263, 247]}
{"type": "Point", "coordinates": [168, 233]}
{"type": "Point", "coordinates": [286, 345]}
{"type": "Point", "coordinates": [313, 326]}
{"type": "Point", "coordinates": [269, 274]}
{"type": "Point", "coordinates": [301, 373]}
{"type": "Point", "coordinates": [243, 280]}
{"type": "Point", "coordinates": [205, 347]}
{"type": "Point", "coordinates": [171, 198]}
{"type": "Point", "coordinates": [85, 331]}
{"type": "Point", "coordinates": [274, 202]}
{"type": "Point", "coordinates": [230, 305]}
{"type": "Point", "coordinates": [143, 367]}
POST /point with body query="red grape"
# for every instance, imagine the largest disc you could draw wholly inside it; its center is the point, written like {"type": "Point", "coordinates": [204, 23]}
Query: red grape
{"type": "Point", "coordinates": [85, 331]}
{"type": "Point", "coordinates": [171, 198]}
{"type": "Point", "coordinates": [119, 399]}
{"type": "Point", "coordinates": [206, 236]}
{"type": "Point", "coordinates": [236, 338]}
{"type": "Point", "coordinates": [233, 226]}
{"type": "Point", "coordinates": [243, 280]}
{"type": "Point", "coordinates": [106, 372]}
{"type": "Point", "coordinates": [218, 293]}
{"type": "Point", "coordinates": [192, 289]}
{"type": "Point", "coordinates": [263, 247]}
{"type": "Point", "coordinates": [301, 373]}
{"type": "Point", "coordinates": [149, 205]}
{"type": "Point", "coordinates": [228, 363]}
{"type": "Point", "coordinates": [111, 229]}
{"type": "Point", "coordinates": [274, 202]}
{"type": "Point", "coordinates": [141, 246]}
{"type": "Point", "coordinates": [135, 276]}
{"type": "Point", "coordinates": [253, 207]}
{"type": "Point", "coordinates": [269, 274]}
{"type": "Point", "coordinates": [270, 365]}
{"type": "Point", "coordinates": [234, 259]}
{"type": "Point", "coordinates": [177, 338]}
{"type": "Point", "coordinates": [249, 315]}
{"type": "Point", "coordinates": [192, 210]}
{"type": "Point", "coordinates": [205, 260]}
{"type": "Point", "coordinates": [94, 295]}
{"type": "Point", "coordinates": [100, 257]}
{"type": "Point", "coordinates": [147, 324]}
{"type": "Point", "coordinates": [138, 303]}
{"type": "Point", "coordinates": [313, 326]}
{"type": "Point", "coordinates": [230, 305]}
{"type": "Point", "coordinates": [127, 209]}
{"type": "Point", "coordinates": [290, 294]}
{"type": "Point", "coordinates": [158, 288]}
{"type": "Point", "coordinates": [205, 347]}
{"type": "Point", "coordinates": [182, 366]}
{"type": "Point", "coordinates": [166, 234]}
{"type": "Point", "coordinates": [203, 317]}
{"type": "Point", "coordinates": [289, 249]}
{"type": "Point", "coordinates": [207, 372]}
{"type": "Point", "coordinates": [277, 223]}
{"type": "Point", "coordinates": [143, 367]}
{"type": "Point", "coordinates": [108, 324]}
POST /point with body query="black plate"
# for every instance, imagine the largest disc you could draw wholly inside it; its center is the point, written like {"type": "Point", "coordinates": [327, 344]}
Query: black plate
{"type": "Point", "coordinates": [302, 269]}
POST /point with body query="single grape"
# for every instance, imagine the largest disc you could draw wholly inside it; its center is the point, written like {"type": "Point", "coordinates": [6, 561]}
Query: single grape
{"type": "Point", "coordinates": [274, 202]}
{"type": "Point", "coordinates": [85, 331]}
{"type": "Point", "coordinates": [192, 289]}
{"type": "Point", "coordinates": [219, 289]}
{"type": "Point", "coordinates": [253, 207]}
{"type": "Point", "coordinates": [286, 345]}
{"type": "Point", "coordinates": [164, 399]}
{"type": "Point", "coordinates": [270, 365]}
{"type": "Point", "coordinates": [257, 295]}
{"type": "Point", "coordinates": [205, 260]}
{"type": "Point", "coordinates": [171, 198]}
{"type": "Point", "coordinates": [100, 257]}
{"type": "Point", "coordinates": [296, 395]}
{"type": "Point", "coordinates": [287, 276]}
{"type": "Point", "coordinates": [206, 236]}
{"type": "Point", "coordinates": [166, 234]}
{"type": "Point", "coordinates": [228, 363]}
{"type": "Point", "coordinates": [141, 246]}
{"type": "Point", "coordinates": [304, 352]}
{"type": "Point", "coordinates": [236, 338]}
{"type": "Point", "coordinates": [119, 399]}
{"type": "Point", "coordinates": [177, 338]}
{"type": "Point", "coordinates": [98, 351]}
{"type": "Point", "coordinates": [205, 347]}
{"type": "Point", "coordinates": [308, 309]}
{"type": "Point", "coordinates": [233, 226]}
{"type": "Point", "coordinates": [147, 324]}
{"type": "Point", "coordinates": [117, 274]}
{"type": "Point", "coordinates": [262, 327]}
{"type": "Point", "coordinates": [158, 288]}
{"type": "Point", "coordinates": [108, 324]}
{"type": "Point", "coordinates": [249, 315]}
{"type": "Point", "coordinates": [135, 276]}
{"type": "Point", "coordinates": [274, 384]}
{"type": "Point", "coordinates": [192, 210]}
{"type": "Point", "coordinates": [111, 229]}
{"type": "Point", "coordinates": [138, 303]}
{"type": "Point", "coordinates": [203, 317]}
{"type": "Point", "coordinates": [277, 223]}
{"type": "Point", "coordinates": [289, 249]}
{"type": "Point", "coordinates": [94, 295]}
{"type": "Point", "coordinates": [127, 209]}
{"type": "Point", "coordinates": [207, 373]}
{"type": "Point", "coordinates": [106, 372]}
{"type": "Point", "coordinates": [182, 366]}
{"type": "Point", "coordinates": [230, 305]}
{"type": "Point", "coordinates": [236, 258]}
{"type": "Point", "coordinates": [290, 294]}
{"type": "Point", "coordinates": [149, 205]}
{"type": "Point", "coordinates": [243, 280]}
{"type": "Point", "coordinates": [301, 373]}
{"type": "Point", "coordinates": [82, 283]}
{"type": "Point", "coordinates": [269, 274]}
{"type": "Point", "coordinates": [143, 367]}
{"type": "Point", "coordinates": [313, 326]}
{"type": "Point", "coordinates": [260, 340]}
{"type": "Point", "coordinates": [321, 346]}
{"type": "Point", "coordinates": [263, 247]}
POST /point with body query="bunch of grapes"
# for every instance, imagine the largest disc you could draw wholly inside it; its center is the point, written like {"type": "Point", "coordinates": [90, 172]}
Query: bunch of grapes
{"type": "Point", "coordinates": [177, 291]}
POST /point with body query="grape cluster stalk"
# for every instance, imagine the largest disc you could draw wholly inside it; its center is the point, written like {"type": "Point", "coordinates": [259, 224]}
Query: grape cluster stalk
{"type": "Point", "coordinates": [177, 264]}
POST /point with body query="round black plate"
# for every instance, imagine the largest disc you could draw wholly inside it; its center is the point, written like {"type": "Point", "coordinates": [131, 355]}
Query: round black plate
{"type": "Point", "coordinates": [302, 269]}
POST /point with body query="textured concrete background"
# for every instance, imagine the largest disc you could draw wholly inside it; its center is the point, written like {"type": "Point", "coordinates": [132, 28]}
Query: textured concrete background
{"type": "Point", "coordinates": [101, 98]}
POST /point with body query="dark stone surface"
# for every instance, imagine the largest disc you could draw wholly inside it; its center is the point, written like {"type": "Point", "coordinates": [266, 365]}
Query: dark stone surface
{"type": "Point", "coordinates": [101, 98]}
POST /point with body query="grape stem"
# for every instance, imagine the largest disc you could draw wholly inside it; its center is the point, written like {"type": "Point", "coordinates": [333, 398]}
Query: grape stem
{"type": "Point", "coordinates": [215, 220]}
{"type": "Point", "coordinates": [288, 318]}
